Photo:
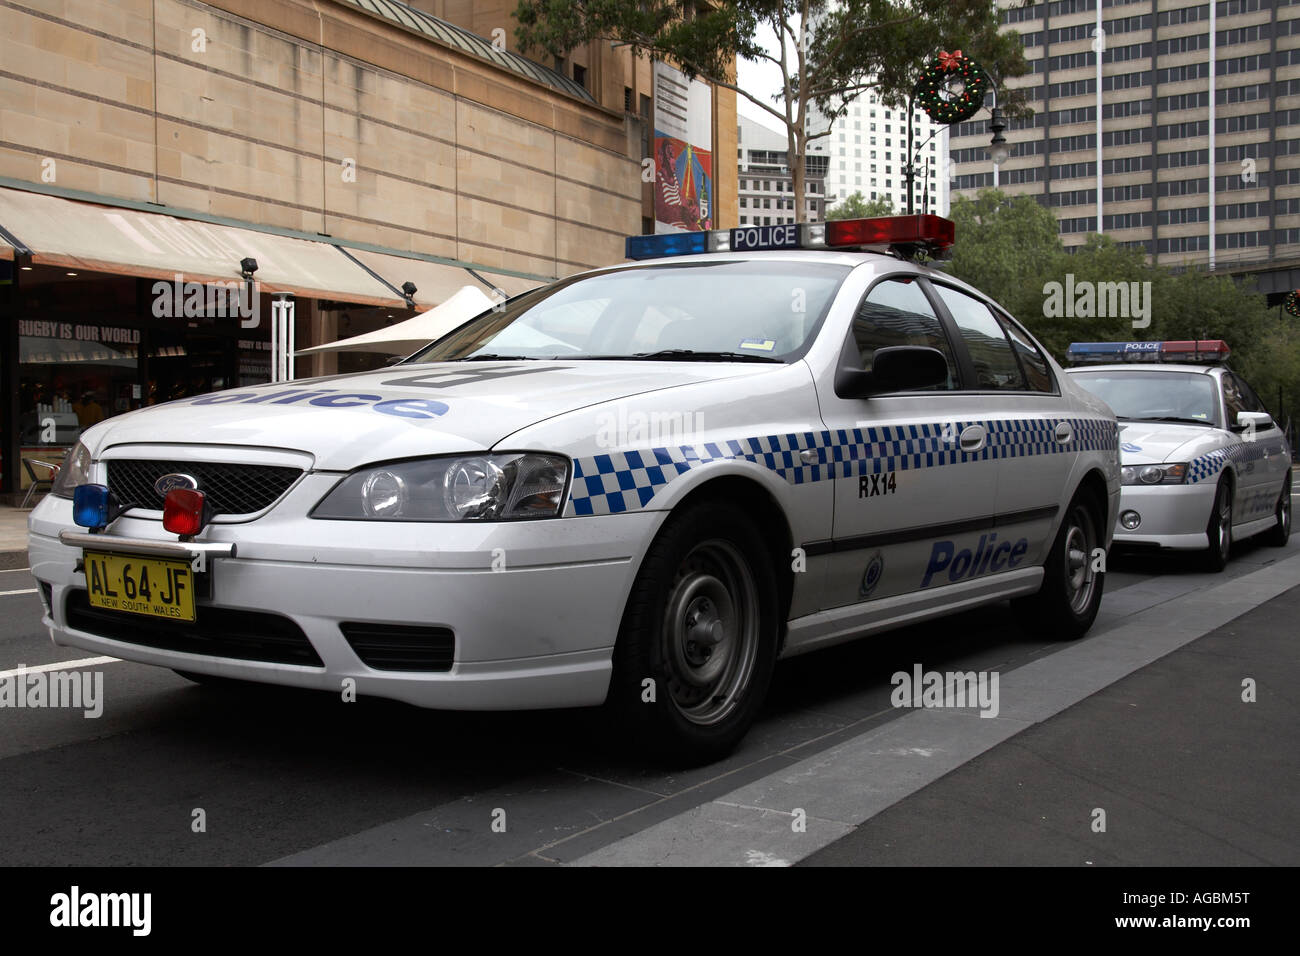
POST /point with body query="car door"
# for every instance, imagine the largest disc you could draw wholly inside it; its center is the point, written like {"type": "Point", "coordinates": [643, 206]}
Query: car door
{"type": "Point", "coordinates": [912, 487]}
{"type": "Point", "coordinates": [1033, 435]}
{"type": "Point", "coordinates": [1264, 457]}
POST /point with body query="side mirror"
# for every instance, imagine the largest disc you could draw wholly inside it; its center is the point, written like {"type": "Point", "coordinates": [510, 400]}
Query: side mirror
{"type": "Point", "coordinates": [1253, 421]}
{"type": "Point", "coordinates": [894, 369]}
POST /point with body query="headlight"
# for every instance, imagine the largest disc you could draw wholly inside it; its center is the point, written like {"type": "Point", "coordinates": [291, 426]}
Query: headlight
{"type": "Point", "coordinates": [477, 487]}
{"type": "Point", "coordinates": [1173, 474]}
{"type": "Point", "coordinates": [75, 471]}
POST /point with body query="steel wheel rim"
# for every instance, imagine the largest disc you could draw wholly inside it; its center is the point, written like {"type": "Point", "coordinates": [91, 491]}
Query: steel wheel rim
{"type": "Point", "coordinates": [710, 632]}
{"type": "Point", "coordinates": [1080, 578]}
{"type": "Point", "coordinates": [1284, 509]}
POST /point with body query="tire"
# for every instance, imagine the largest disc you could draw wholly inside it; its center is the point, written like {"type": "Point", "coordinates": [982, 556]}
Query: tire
{"type": "Point", "coordinates": [1219, 528]}
{"type": "Point", "coordinates": [1070, 597]}
{"type": "Point", "coordinates": [1280, 533]}
{"type": "Point", "coordinates": [701, 623]}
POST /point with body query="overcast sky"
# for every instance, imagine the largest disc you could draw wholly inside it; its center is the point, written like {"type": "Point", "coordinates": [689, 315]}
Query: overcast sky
{"type": "Point", "coordinates": [762, 78]}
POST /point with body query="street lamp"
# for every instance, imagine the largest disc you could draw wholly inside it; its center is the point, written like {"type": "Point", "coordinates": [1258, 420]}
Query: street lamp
{"type": "Point", "coordinates": [999, 151]}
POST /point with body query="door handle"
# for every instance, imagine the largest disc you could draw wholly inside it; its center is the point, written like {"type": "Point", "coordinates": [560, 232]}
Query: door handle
{"type": "Point", "coordinates": [1064, 433]}
{"type": "Point", "coordinates": [973, 437]}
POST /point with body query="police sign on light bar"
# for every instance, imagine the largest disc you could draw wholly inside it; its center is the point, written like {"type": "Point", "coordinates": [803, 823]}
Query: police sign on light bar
{"type": "Point", "coordinates": [1202, 350]}
{"type": "Point", "coordinates": [904, 234]}
{"type": "Point", "coordinates": [748, 238]}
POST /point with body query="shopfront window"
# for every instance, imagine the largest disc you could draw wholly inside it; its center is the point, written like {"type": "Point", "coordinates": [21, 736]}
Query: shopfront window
{"type": "Point", "coordinates": [92, 346]}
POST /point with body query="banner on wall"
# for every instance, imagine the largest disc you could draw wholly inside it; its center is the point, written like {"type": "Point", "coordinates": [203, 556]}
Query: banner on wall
{"type": "Point", "coordinates": [683, 151]}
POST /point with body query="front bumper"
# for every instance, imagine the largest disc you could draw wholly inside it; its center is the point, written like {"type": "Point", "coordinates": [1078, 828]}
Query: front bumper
{"type": "Point", "coordinates": [1173, 516]}
{"type": "Point", "coordinates": [534, 607]}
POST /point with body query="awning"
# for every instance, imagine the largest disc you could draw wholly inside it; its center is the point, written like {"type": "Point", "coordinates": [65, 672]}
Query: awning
{"type": "Point", "coordinates": [435, 282]}
{"type": "Point", "coordinates": [84, 236]}
{"type": "Point", "coordinates": [415, 333]}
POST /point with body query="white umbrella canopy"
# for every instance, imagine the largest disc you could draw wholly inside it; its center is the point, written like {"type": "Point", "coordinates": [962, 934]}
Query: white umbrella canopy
{"type": "Point", "coordinates": [405, 337]}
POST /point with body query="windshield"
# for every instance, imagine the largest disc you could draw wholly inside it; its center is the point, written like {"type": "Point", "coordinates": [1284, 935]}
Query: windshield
{"type": "Point", "coordinates": [1154, 396]}
{"type": "Point", "coordinates": [755, 310]}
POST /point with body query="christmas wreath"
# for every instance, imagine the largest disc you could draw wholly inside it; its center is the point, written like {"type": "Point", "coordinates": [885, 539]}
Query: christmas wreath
{"type": "Point", "coordinates": [951, 88]}
{"type": "Point", "coordinates": [1292, 303]}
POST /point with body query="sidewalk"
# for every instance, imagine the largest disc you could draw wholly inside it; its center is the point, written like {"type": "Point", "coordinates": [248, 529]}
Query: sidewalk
{"type": "Point", "coordinates": [1187, 773]}
{"type": "Point", "coordinates": [13, 536]}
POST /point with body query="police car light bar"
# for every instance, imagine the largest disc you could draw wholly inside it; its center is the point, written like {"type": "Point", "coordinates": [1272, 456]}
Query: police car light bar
{"type": "Point", "coordinates": [903, 234]}
{"type": "Point", "coordinates": [1200, 350]}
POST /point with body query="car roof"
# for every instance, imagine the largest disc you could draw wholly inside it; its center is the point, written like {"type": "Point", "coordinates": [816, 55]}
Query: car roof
{"type": "Point", "coordinates": [1149, 367]}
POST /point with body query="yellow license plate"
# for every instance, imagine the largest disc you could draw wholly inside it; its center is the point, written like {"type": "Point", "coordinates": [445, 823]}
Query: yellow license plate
{"type": "Point", "coordinates": [124, 582]}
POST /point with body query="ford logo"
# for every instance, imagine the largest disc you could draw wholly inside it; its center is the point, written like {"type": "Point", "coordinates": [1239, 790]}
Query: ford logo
{"type": "Point", "coordinates": [173, 481]}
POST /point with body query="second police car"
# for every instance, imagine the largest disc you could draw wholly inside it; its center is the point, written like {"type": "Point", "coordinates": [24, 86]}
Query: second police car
{"type": "Point", "coordinates": [637, 487]}
{"type": "Point", "coordinates": [1203, 461]}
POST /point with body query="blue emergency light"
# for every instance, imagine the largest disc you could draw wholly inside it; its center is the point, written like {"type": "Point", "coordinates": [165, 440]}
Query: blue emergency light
{"type": "Point", "coordinates": [901, 234]}
{"type": "Point", "coordinates": [1199, 350]}
{"type": "Point", "coordinates": [91, 506]}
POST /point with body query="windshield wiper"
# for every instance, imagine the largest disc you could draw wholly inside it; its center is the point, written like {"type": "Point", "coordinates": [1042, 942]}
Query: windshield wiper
{"type": "Point", "coordinates": [493, 357]}
{"type": "Point", "coordinates": [1171, 418]}
{"type": "Point", "coordinates": [691, 355]}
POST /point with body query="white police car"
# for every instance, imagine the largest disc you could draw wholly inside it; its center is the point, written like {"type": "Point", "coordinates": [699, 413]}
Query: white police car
{"type": "Point", "coordinates": [638, 486]}
{"type": "Point", "coordinates": [1203, 461]}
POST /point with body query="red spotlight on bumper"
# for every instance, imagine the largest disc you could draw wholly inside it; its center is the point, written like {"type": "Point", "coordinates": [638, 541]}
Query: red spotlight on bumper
{"type": "Point", "coordinates": [186, 512]}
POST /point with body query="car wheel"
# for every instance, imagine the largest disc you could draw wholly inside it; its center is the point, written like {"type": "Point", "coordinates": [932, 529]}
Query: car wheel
{"type": "Point", "coordinates": [697, 645]}
{"type": "Point", "coordinates": [1219, 530]}
{"type": "Point", "coordinates": [1070, 597]}
{"type": "Point", "coordinates": [1280, 533]}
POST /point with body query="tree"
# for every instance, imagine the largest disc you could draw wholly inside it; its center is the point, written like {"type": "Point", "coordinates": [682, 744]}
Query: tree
{"type": "Point", "coordinates": [1010, 249]}
{"type": "Point", "coordinates": [829, 53]}
{"type": "Point", "coordinates": [1007, 248]}
{"type": "Point", "coordinates": [857, 207]}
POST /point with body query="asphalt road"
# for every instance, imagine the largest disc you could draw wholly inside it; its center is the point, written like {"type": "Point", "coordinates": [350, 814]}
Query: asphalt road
{"type": "Point", "coordinates": [300, 777]}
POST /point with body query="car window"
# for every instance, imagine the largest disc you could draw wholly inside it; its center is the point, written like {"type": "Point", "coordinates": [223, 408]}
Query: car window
{"type": "Point", "coordinates": [1249, 399]}
{"type": "Point", "coordinates": [754, 308]}
{"type": "Point", "coordinates": [1233, 400]}
{"type": "Point", "coordinates": [1141, 395]}
{"type": "Point", "coordinates": [896, 312]}
{"type": "Point", "coordinates": [1032, 362]}
{"type": "Point", "coordinates": [990, 351]}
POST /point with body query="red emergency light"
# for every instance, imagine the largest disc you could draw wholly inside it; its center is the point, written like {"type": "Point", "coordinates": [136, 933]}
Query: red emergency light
{"type": "Point", "coordinates": [186, 512]}
{"type": "Point", "coordinates": [1197, 350]}
{"type": "Point", "coordinates": [922, 231]}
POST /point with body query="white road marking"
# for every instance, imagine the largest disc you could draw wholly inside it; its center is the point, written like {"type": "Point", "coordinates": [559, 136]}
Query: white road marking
{"type": "Point", "coordinates": [12, 570]}
{"type": "Point", "coordinates": [60, 665]}
{"type": "Point", "coordinates": [23, 591]}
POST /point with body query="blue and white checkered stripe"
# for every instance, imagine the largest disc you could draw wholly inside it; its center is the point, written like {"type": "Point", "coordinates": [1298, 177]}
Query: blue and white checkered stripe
{"type": "Point", "coordinates": [627, 481]}
{"type": "Point", "coordinates": [1208, 466]}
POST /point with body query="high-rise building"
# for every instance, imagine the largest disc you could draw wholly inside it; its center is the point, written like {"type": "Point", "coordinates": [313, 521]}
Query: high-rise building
{"type": "Point", "coordinates": [866, 152]}
{"type": "Point", "coordinates": [766, 185]}
{"type": "Point", "coordinates": [1170, 125]}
